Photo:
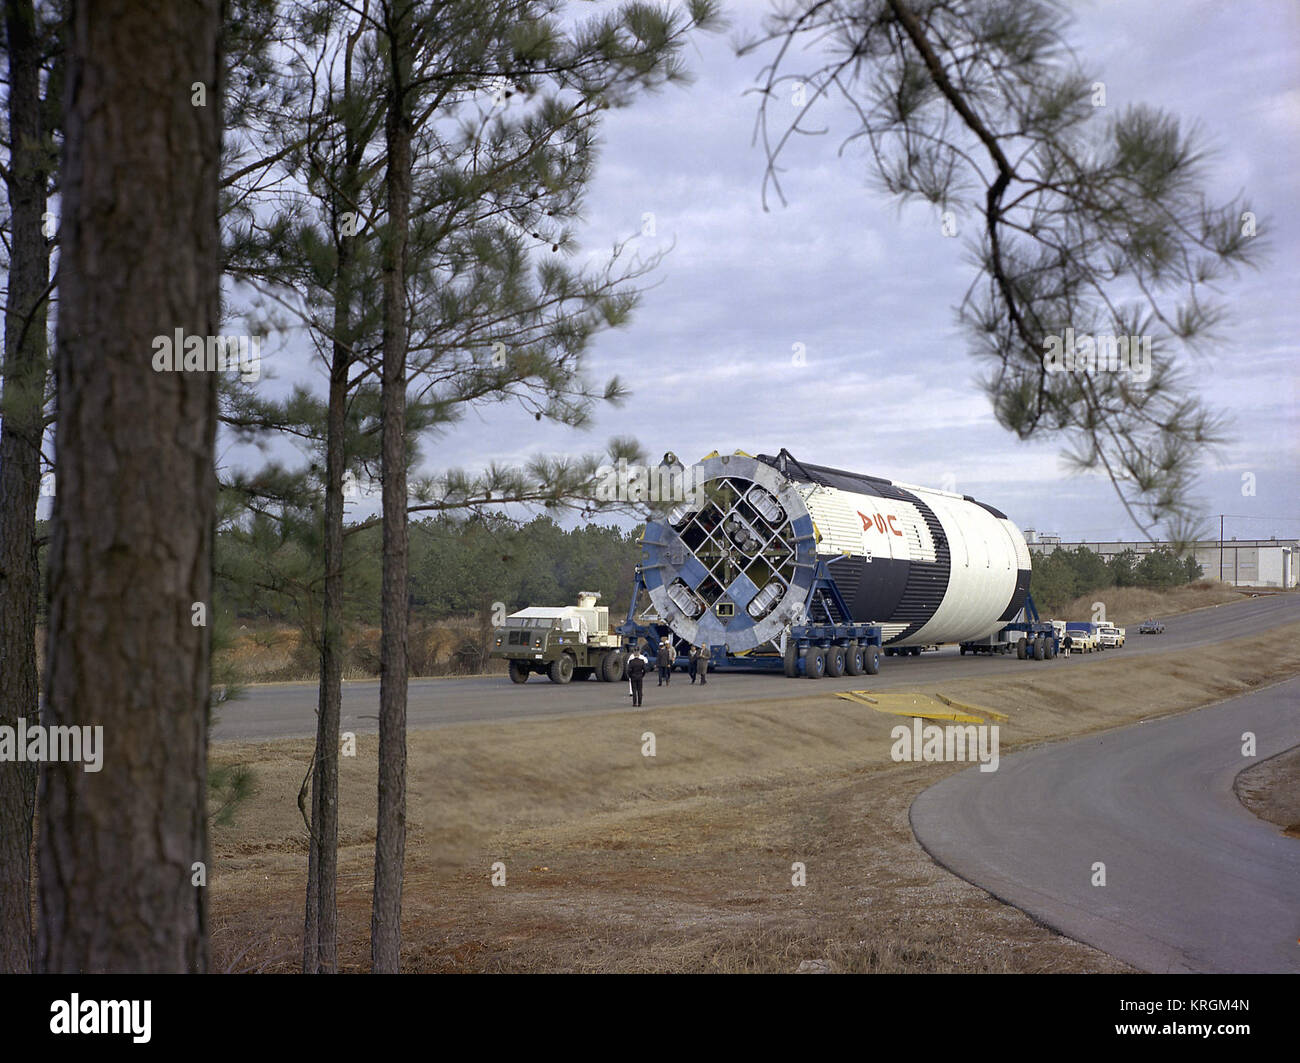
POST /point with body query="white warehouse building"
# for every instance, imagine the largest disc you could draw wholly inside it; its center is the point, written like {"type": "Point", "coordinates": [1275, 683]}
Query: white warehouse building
{"type": "Point", "coordinates": [1241, 562]}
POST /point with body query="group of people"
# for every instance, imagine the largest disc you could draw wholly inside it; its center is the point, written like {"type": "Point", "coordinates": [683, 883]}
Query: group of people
{"type": "Point", "coordinates": [665, 656]}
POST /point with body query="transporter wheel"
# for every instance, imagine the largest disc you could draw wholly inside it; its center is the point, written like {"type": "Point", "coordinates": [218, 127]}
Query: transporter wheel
{"type": "Point", "coordinates": [814, 664]}
{"type": "Point", "coordinates": [1040, 651]}
{"type": "Point", "coordinates": [855, 661]}
{"type": "Point", "coordinates": [791, 661]}
{"type": "Point", "coordinates": [871, 659]}
{"type": "Point", "coordinates": [518, 672]}
{"type": "Point", "coordinates": [1050, 645]}
{"type": "Point", "coordinates": [561, 670]}
{"type": "Point", "coordinates": [1022, 645]}
{"type": "Point", "coordinates": [611, 667]}
{"type": "Point", "coordinates": [835, 662]}
{"type": "Point", "coordinates": [962, 649]}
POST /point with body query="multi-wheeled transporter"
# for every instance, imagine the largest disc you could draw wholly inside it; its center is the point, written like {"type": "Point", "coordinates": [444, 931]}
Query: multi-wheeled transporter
{"type": "Point", "coordinates": [776, 563]}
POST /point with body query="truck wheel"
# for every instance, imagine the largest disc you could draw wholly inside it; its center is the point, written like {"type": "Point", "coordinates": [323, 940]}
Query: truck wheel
{"type": "Point", "coordinates": [855, 660]}
{"type": "Point", "coordinates": [561, 670]}
{"type": "Point", "coordinates": [518, 672]}
{"type": "Point", "coordinates": [611, 667]}
{"type": "Point", "coordinates": [1022, 645]}
{"type": "Point", "coordinates": [1040, 652]}
{"type": "Point", "coordinates": [791, 661]}
{"type": "Point", "coordinates": [1050, 644]}
{"type": "Point", "coordinates": [871, 659]}
{"type": "Point", "coordinates": [835, 662]}
{"type": "Point", "coordinates": [814, 664]}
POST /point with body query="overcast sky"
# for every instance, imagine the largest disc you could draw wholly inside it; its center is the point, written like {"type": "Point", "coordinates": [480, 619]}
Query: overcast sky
{"type": "Point", "coordinates": [888, 387]}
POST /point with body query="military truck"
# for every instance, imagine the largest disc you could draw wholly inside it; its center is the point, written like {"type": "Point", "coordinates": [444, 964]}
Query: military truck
{"type": "Point", "coordinates": [561, 642]}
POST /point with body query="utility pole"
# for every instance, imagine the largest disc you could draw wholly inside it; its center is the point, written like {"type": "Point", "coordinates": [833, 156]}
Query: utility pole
{"type": "Point", "coordinates": [1220, 547]}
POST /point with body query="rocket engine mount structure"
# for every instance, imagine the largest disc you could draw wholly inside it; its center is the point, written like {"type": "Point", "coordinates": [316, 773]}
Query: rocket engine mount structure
{"type": "Point", "coordinates": [736, 570]}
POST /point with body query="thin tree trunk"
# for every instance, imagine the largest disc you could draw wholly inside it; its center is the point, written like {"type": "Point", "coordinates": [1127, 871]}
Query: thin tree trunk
{"type": "Point", "coordinates": [21, 428]}
{"type": "Point", "coordinates": [390, 830]}
{"type": "Point", "coordinates": [322, 902]}
{"type": "Point", "coordinates": [133, 517]}
{"type": "Point", "coordinates": [320, 939]}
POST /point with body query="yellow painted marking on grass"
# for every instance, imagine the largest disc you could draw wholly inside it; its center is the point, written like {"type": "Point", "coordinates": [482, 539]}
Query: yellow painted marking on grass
{"type": "Point", "coordinates": [926, 706]}
{"type": "Point", "coordinates": [951, 717]}
{"type": "Point", "coordinates": [1001, 717]}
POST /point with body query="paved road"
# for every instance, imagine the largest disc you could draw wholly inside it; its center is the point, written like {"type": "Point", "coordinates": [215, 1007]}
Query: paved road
{"type": "Point", "coordinates": [288, 710]}
{"type": "Point", "coordinates": [1194, 881]}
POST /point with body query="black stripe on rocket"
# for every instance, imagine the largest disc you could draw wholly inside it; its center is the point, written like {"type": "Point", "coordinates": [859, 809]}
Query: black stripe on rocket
{"type": "Point", "coordinates": [927, 581]}
{"type": "Point", "coordinates": [1017, 595]}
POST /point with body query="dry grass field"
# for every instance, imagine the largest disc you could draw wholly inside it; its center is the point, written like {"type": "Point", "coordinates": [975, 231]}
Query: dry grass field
{"type": "Point", "coordinates": [1132, 605]}
{"type": "Point", "coordinates": [1272, 790]}
{"type": "Point", "coordinates": [274, 653]}
{"type": "Point", "coordinates": [616, 861]}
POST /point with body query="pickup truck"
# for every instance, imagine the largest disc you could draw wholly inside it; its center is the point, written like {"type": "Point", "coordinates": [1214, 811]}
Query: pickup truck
{"type": "Point", "coordinates": [1152, 627]}
{"type": "Point", "coordinates": [1112, 637]}
{"type": "Point", "coordinates": [1084, 635]}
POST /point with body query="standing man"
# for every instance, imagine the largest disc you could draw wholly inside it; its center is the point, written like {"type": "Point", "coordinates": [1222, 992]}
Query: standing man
{"type": "Point", "coordinates": [665, 657]}
{"type": "Point", "coordinates": [699, 664]}
{"type": "Point", "coordinates": [636, 669]}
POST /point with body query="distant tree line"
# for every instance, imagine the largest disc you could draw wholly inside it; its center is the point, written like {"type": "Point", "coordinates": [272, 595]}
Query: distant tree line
{"type": "Point", "coordinates": [1063, 575]}
{"type": "Point", "coordinates": [460, 567]}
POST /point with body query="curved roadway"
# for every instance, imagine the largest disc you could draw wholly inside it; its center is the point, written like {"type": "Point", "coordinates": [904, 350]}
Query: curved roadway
{"type": "Point", "coordinates": [1194, 881]}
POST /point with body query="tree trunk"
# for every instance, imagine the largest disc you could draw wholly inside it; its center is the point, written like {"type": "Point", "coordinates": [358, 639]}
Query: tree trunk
{"type": "Point", "coordinates": [321, 952]}
{"type": "Point", "coordinates": [320, 938]}
{"type": "Point", "coordinates": [390, 829]}
{"type": "Point", "coordinates": [134, 511]}
{"type": "Point", "coordinates": [21, 428]}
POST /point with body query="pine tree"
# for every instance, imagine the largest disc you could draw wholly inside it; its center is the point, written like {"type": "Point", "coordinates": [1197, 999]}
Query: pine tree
{"type": "Point", "coordinates": [32, 120]}
{"type": "Point", "coordinates": [1085, 219]}
{"type": "Point", "coordinates": [123, 851]}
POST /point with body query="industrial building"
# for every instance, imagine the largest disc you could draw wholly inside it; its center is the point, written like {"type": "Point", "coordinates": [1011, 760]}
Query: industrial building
{"type": "Point", "coordinates": [1241, 562]}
